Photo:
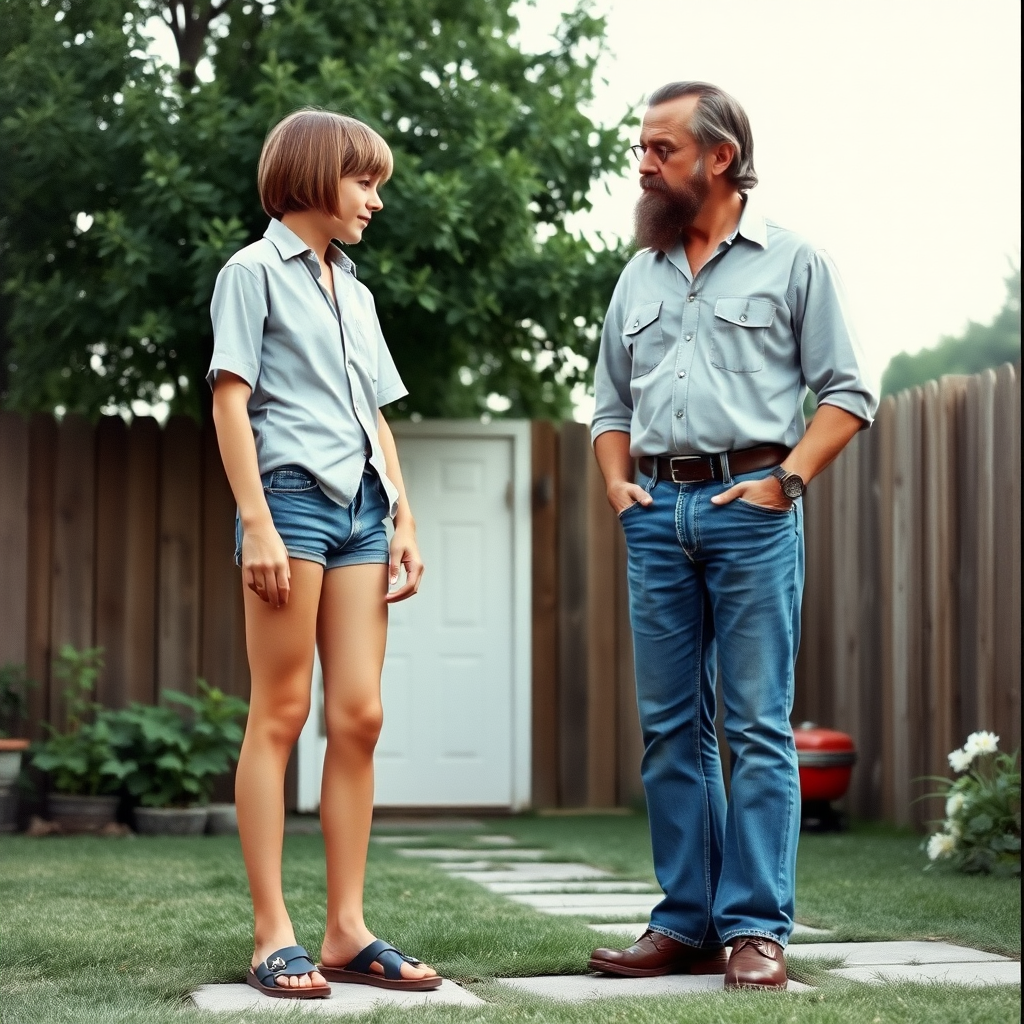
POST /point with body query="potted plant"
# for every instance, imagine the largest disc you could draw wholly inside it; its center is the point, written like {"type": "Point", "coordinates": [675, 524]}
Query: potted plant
{"type": "Point", "coordinates": [83, 759]}
{"type": "Point", "coordinates": [178, 756]}
{"type": "Point", "coordinates": [13, 708]}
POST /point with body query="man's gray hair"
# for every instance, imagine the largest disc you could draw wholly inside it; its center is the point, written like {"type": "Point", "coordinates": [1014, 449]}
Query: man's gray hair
{"type": "Point", "coordinates": [717, 118]}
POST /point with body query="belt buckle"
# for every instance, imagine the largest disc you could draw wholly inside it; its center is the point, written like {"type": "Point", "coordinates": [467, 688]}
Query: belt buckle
{"type": "Point", "coordinates": [680, 458]}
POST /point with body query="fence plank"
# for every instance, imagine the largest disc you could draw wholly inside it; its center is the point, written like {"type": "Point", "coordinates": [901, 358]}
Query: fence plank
{"type": "Point", "coordinates": [42, 447]}
{"type": "Point", "coordinates": [111, 516]}
{"type": "Point", "coordinates": [1006, 541]}
{"type": "Point", "coordinates": [885, 426]}
{"type": "Point", "coordinates": [573, 452]}
{"type": "Point", "coordinates": [602, 690]}
{"type": "Point", "coordinates": [221, 584]}
{"type": "Point", "coordinates": [180, 568]}
{"type": "Point", "coordinates": [13, 538]}
{"type": "Point", "coordinates": [71, 615]}
{"type": "Point", "coordinates": [544, 612]}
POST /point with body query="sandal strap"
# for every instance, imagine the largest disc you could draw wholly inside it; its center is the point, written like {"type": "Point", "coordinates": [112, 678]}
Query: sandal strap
{"type": "Point", "coordinates": [289, 961]}
{"type": "Point", "coordinates": [379, 951]}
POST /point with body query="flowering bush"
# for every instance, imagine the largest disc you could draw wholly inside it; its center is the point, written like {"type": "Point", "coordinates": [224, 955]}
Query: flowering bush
{"type": "Point", "coordinates": [981, 829]}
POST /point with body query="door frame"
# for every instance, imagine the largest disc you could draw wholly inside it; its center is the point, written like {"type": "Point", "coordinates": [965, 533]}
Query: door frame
{"type": "Point", "coordinates": [518, 432]}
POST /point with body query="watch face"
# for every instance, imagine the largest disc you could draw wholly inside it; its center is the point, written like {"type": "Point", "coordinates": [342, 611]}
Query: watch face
{"type": "Point", "coordinates": [793, 487]}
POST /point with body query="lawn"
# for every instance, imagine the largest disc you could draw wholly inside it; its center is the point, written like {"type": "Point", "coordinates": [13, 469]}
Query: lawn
{"type": "Point", "coordinates": [100, 931]}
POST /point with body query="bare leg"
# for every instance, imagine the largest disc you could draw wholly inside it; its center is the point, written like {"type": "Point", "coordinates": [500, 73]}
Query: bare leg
{"type": "Point", "coordinates": [280, 644]}
{"type": "Point", "coordinates": [351, 633]}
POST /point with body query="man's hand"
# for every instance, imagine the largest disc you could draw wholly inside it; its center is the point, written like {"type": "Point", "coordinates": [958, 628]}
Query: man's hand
{"type": "Point", "coordinates": [404, 553]}
{"type": "Point", "coordinates": [265, 567]}
{"type": "Point", "coordinates": [767, 493]}
{"type": "Point", "coordinates": [622, 494]}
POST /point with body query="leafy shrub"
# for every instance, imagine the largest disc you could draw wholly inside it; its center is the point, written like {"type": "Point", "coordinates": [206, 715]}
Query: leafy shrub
{"type": "Point", "coordinates": [176, 756]}
{"type": "Point", "coordinates": [13, 704]}
{"type": "Point", "coordinates": [981, 829]}
{"type": "Point", "coordinates": [85, 758]}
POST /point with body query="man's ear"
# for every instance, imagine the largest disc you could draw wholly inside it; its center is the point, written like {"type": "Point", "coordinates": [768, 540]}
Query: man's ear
{"type": "Point", "coordinates": [720, 158]}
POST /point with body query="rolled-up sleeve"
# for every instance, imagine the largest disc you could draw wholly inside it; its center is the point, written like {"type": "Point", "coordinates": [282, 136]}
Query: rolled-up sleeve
{"type": "Point", "coordinates": [239, 313]}
{"type": "Point", "coordinates": [831, 358]}
{"type": "Point", "coordinates": [613, 402]}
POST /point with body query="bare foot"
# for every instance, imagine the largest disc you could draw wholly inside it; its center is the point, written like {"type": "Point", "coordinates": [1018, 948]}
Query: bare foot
{"type": "Point", "coordinates": [338, 950]}
{"type": "Point", "coordinates": [312, 980]}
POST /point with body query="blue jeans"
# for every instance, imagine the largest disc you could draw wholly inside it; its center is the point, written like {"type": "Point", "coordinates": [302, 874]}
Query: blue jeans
{"type": "Point", "coordinates": [717, 587]}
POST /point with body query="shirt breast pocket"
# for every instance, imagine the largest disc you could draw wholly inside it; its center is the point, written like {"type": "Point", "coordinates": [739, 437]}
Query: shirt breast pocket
{"type": "Point", "coordinates": [738, 332]}
{"type": "Point", "coordinates": [642, 335]}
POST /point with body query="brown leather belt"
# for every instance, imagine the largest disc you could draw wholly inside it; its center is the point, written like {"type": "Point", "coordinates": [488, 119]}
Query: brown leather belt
{"type": "Point", "coordinates": [691, 469]}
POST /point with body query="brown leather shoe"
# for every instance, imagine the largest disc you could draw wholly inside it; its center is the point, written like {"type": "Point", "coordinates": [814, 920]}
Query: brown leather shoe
{"type": "Point", "coordinates": [654, 954]}
{"type": "Point", "coordinates": [756, 963]}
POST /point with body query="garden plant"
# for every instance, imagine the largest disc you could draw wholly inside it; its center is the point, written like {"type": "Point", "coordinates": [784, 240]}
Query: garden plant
{"type": "Point", "coordinates": [981, 829]}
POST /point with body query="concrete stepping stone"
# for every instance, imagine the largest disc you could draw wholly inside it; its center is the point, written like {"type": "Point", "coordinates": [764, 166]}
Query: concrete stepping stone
{"type": "Point", "coordinates": [431, 824]}
{"type": "Point", "coordinates": [442, 853]}
{"type": "Point", "coordinates": [890, 954]}
{"type": "Point", "coordinates": [510, 888]}
{"type": "Point", "coordinates": [587, 902]}
{"type": "Point", "coordinates": [545, 872]}
{"type": "Point", "coordinates": [578, 987]}
{"type": "Point", "coordinates": [397, 840]}
{"type": "Point", "coordinates": [806, 929]}
{"type": "Point", "coordinates": [495, 840]}
{"type": "Point", "coordinates": [1005, 972]}
{"type": "Point", "coordinates": [344, 1000]}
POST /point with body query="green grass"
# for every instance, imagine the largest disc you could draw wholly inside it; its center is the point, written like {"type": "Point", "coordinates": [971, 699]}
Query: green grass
{"type": "Point", "coordinates": [102, 931]}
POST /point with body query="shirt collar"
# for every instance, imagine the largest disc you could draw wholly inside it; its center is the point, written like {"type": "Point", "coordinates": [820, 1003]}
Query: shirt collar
{"type": "Point", "coordinates": [752, 225]}
{"type": "Point", "coordinates": [289, 245]}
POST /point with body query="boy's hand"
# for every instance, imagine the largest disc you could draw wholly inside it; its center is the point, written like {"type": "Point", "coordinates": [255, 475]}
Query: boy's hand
{"type": "Point", "coordinates": [265, 568]}
{"type": "Point", "coordinates": [404, 553]}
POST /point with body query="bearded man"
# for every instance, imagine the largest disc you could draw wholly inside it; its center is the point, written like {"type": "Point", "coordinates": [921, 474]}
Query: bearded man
{"type": "Point", "coordinates": [715, 331]}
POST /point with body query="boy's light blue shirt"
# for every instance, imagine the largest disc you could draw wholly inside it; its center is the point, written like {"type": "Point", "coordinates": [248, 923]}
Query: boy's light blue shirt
{"type": "Point", "coordinates": [722, 361]}
{"type": "Point", "coordinates": [318, 373]}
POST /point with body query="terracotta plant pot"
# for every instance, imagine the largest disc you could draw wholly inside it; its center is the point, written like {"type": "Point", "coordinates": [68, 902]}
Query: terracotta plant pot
{"type": "Point", "coordinates": [82, 813]}
{"type": "Point", "coordinates": [170, 821]}
{"type": "Point", "coordinates": [222, 820]}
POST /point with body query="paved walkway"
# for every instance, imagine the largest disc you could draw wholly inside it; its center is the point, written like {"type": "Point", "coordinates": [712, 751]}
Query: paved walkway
{"type": "Point", "coordinates": [614, 907]}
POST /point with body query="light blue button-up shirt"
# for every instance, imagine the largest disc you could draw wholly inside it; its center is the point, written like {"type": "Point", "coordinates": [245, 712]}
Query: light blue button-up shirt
{"type": "Point", "coordinates": [721, 361]}
{"type": "Point", "coordinates": [319, 370]}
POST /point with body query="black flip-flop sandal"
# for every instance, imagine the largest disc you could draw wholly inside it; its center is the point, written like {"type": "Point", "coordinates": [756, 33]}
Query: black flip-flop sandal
{"type": "Point", "coordinates": [358, 970]}
{"type": "Point", "coordinates": [288, 962]}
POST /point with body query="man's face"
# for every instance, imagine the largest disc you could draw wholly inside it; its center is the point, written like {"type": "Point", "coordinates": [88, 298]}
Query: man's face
{"type": "Point", "coordinates": [673, 176]}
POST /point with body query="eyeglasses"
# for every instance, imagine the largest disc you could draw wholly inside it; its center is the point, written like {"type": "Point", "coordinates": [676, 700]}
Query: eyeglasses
{"type": "Point", "coordinates": [662, 152]}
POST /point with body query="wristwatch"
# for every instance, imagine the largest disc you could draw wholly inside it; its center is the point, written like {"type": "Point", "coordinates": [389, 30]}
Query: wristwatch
{"type": "Point", "coordinates": [793, 486]}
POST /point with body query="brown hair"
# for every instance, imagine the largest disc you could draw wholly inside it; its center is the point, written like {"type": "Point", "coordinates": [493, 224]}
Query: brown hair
{"type": "Point", "coordinates": [309, 152]}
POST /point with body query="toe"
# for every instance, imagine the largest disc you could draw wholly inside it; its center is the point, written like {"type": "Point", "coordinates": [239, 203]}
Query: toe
{"type": "Point", "coordinates": [318, 979]}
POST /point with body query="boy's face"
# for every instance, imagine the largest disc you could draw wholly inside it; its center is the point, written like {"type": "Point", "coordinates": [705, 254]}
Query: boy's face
{"type": "Point", "coordinates": [357, 203]}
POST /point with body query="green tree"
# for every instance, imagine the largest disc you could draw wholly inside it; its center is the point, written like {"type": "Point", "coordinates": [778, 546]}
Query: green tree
{"type": "Point", "coordinates": [129, 184]}
{"type": "Point", "coordinates": [978, 348]}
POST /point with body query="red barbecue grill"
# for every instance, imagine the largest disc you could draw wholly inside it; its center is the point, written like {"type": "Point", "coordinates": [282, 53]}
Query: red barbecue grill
{"type": "Point", "coordinates": [826, 758]}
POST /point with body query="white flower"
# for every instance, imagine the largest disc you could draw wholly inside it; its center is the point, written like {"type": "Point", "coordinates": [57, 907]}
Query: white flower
{"type": "Point", "coordinates": [981, 743]}
{"type": "Point", "coordinates": [960, 760]}
{"type": "Point", "coordinates": [954, 829]}
{"type": "Point", "coordinates": [955, 804]}
{"type": "Point", "coordinates": [941, 845]}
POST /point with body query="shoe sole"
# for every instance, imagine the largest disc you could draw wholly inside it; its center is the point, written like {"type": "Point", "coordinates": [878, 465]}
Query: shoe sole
{"type": "Point", "coordinates": [603, 967]}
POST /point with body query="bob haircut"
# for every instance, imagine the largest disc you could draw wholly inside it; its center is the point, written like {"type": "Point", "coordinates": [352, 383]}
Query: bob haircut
{"type": "Point", "coordinates": [307, 154]}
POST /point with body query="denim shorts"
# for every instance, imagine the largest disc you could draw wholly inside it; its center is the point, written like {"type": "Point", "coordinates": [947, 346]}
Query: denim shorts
{"type": "Point", "coordinates": [316, 529]}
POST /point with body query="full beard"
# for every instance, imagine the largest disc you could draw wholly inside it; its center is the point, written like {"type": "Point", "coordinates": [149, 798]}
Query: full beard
{"type": "Point", "coordinates": [663, 213]}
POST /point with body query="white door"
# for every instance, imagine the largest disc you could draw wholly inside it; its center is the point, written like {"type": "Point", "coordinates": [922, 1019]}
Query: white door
{"type": "Point", "coordinates": [456, 678]}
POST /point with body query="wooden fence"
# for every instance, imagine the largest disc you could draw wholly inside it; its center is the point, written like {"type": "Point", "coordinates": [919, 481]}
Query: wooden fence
{"type": "Point", "coordinates": [122, 537]}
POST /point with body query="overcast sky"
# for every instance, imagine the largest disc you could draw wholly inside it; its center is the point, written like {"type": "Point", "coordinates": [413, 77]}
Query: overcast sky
{"type": "Point", "coordinates": [886, 131]}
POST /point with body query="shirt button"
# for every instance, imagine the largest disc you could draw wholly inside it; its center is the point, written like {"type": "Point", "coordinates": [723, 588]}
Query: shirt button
{"type": "Point", "coordinates": [682, 373]}
{"type": "Point", "coordinates": [637, 324]}
{"type": "Point", "coordinates": [689, 337]}
{"type": "Point", "coordinates": [743, 318]}
{"type": "Point", "coordinates": [679, 415]}
{"type": "Point", "coordinates": [690, 298]}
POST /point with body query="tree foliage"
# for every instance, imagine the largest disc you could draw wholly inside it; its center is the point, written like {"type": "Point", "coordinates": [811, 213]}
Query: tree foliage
{"type": "Point", "coordinates": [129, 184]}
{"type": "Point", "coordinates": [980, 346]}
